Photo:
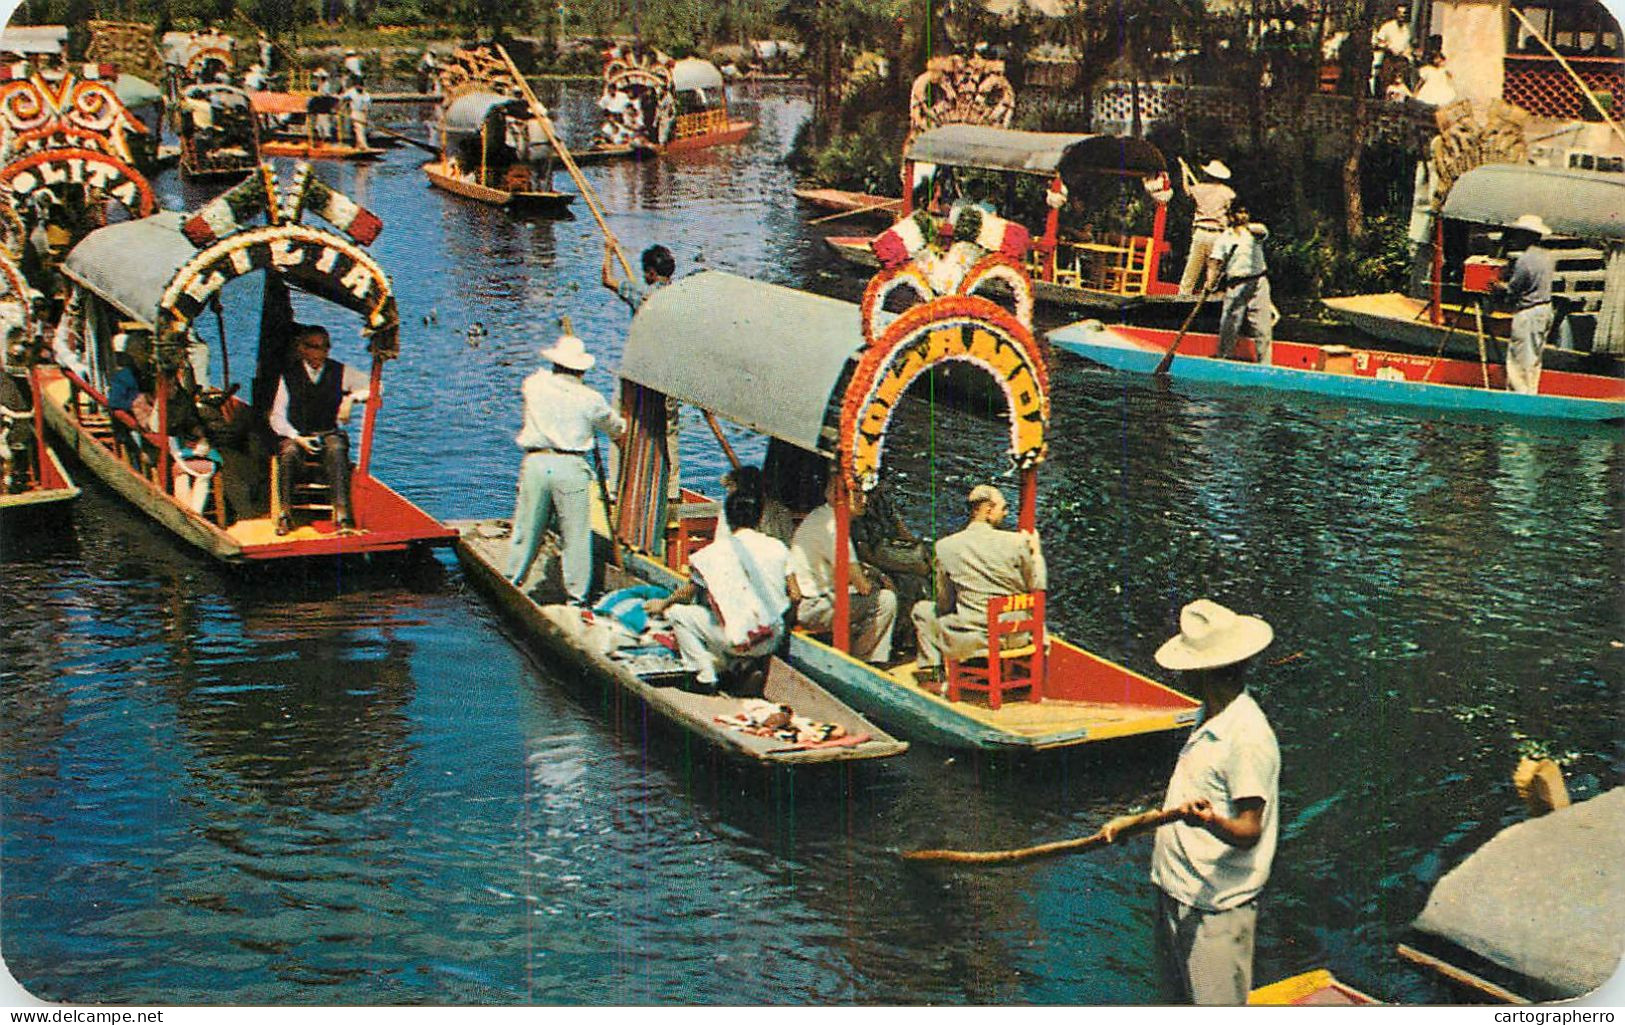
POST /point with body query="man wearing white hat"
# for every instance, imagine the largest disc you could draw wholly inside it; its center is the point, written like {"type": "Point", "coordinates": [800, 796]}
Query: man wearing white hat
{"type": "Point", "coordinates": [1528, 288]}
{"type": "Point", "coordinates": [322, 86]}
{"type": "Point", "coordinates": [1210, 865]}
{"type": "Point", "coordinates": [1213, 199]}
{"type": "Point", "coordinates": [561, 414]}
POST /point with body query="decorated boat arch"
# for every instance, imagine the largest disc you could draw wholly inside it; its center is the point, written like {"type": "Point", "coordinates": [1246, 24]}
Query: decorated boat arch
{"type": "Point", "coordinates": [654, 104]}
{"type": "Point", "coordinates": [67, 134]}
{"type": "Point", "coordinates": [825, 378]}
{"type": "Point", "coordinates": [185, 264]}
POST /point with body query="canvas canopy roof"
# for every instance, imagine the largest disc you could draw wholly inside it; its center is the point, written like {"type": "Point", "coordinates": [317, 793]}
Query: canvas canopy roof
{"type": "Point", "coordinates": [136, 92]}
{"type": "Point", "coordinates": [1542, 898]}
{"type": "Point", "coordinates": [34, 39]}
{"type": "Point", "coordinates": [764, 356]}
{"type": "Point", "coordinates": [131, 263]}
{"type": "Point", "coordinates": [1005, 149]}
{"type": "Point", "coordinates": [468, 112]}
{"type": "Point", "coordinates": [693, 73]}
{"type": "Point", "coordinates": [180, 47]}
{"type": "Point", "coordinates": [1582, 204]}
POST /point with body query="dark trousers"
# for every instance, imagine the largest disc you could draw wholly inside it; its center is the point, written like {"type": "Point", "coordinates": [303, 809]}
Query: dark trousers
{"type": "Point", "coordinates": [335, 462]}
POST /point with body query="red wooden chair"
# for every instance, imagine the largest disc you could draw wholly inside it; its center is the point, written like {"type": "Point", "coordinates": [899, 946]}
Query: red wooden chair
{"type": "Point", "coordinates": [1003, 666]}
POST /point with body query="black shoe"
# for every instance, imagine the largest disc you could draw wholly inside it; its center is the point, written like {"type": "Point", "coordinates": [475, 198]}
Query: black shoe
{"type": "Point", "coordinates": [283, 525]}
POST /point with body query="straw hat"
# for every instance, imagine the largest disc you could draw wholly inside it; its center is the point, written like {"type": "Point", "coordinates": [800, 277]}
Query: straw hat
{"type": "Point", "coordinates": [569, 352]}
{"type": "Point", "coordinates": [319, 73]}
{"type": "Point", "coordinates": [1216, 169]}
{"type": "Point", "coordinates": [1531, 223]}
{"type": "Point", "coordinates": [1211, 636]}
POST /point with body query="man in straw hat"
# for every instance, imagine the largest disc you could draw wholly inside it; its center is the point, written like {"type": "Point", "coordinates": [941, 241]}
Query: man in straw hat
{"type": "Point", "coordinates": [1210, 865]}
{"type": "Point", "coordinates": [561, 414]}
{"type": "Point", "coordinates": [1528, 288]}
{"type": "Point", "coordinates": [1213, 199]}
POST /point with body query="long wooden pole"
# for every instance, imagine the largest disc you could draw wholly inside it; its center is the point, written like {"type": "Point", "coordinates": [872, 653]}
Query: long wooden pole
{"type": "Point", "coordinates": [1584, 89]}
{"type": "Point", "coordinates": [1138, 824]}
{"type": "Point", "coordinates": [569, 162]}
{"type": "Point", "coordinates": [889, 204]}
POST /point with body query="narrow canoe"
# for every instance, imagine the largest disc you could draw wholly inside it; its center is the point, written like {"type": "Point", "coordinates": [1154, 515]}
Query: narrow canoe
{"type": "Point", "coordinates": [850, 202]}
{"type": "Point", "coordinates": [1317, 988]}
{"type": "Point", "coordinates": [299, 149]}
{"type": "Point", "coordinates": [1396, 320]}
{"type": "Point", "coordinates": [1341, 372]}
{"type": "Point", "coordinates": [855, 249]}
{"type": "Point", "coordinates": [482, 547]}
{"type": "Point", "coordinates": [55, 486]}
{"type": "Point", "coordinates": [390, 523]}
{"type": "Point", "coordinates": [553, 202]}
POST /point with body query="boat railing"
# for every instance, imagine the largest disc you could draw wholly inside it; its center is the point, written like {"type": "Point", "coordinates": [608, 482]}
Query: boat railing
{"type": "Point", "coordinates": [1109, 262]}
{"type": "Point", "coordinates": [705, 122]}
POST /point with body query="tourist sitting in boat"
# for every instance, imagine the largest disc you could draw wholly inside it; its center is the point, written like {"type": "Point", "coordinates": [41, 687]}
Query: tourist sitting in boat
{"type": "Point", "coordinates": [812, 582]}
{"type": "Point", "coordinates": [746, 575]}
{"type": "Point", "coordinates": [884, 541]}
{"type": "Point", "coordinates": [561, 415]}
{"type": "Point", "coordinates": [1237, 263]}
{"type": "Point", "coordinates": [17, 439]}
{"type": "Point", "coordinates": [195, 462]}
{"type": "Point", "coordinates": [128, 393]}
{"type": "Point", "coordinates": [313, 397]}
{"type": "Point", "coordinates": [777, 520]}
{"type": "Point", "coordinates": [978, 563]}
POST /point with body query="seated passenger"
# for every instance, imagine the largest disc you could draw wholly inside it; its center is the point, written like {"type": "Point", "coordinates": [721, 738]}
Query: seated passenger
{"type": "Point", "coordinates": [812, 582]}
{"type": "Point", "coordinates": [745, 573]}
{"type": "Point", "coordinates": [17, 439]}
{"type": "Point", "coordinates": [777, 521]}
{"type": "Point", "coordinates": [195, 463]}
{"type": "Point", "coordinates": [884, 541]}
{"type": "Point", "coordinates": [129, 394]}
{"type": "Point", "coordinates": [978, 563]}
{"type": "Point", "coordinates": [313, 396]}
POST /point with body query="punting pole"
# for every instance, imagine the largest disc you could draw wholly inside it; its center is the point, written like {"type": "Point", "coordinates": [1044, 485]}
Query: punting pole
{"type": "Point", "coordinates": [1436, 307]}
{"type": "Point", "coordinates": [842, 625]}
{"type": "Point", "coordinates": [569, 162]}
{"type": "Point", "coordinates": [1138, 824]}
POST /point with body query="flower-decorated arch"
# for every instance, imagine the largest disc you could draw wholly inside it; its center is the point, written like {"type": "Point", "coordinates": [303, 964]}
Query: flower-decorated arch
{"type": "Point", "coordinates": [40, 113]}
{"type": "Point", "coordinates": [955, 328]}
{"type": "Point", "coordinates": [88, 168]}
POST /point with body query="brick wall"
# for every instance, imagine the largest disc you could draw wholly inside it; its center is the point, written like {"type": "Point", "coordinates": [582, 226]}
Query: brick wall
{"type": "Point", "coordinates": [1328, 116]}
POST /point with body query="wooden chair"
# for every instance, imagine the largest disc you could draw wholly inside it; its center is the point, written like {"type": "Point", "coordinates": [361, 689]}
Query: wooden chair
{"type": "Point", "coordinates": [1001, 668]}
{"type": "Point", "coordinates": [311, 494]}
{"type": "Point", "coordinates": [1132, 273]}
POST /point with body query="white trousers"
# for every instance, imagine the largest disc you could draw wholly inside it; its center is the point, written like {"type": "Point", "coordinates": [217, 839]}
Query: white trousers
{"type": "Point", "coordinates": [1205, 957]}
{"type": "Point", "coordinates": [702, 646]}
{"type": "Point", "coordinates": [1526, 347]}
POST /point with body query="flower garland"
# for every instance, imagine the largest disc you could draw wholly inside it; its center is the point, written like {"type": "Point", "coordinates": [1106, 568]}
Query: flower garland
{"type": "Point", "coordinates": [999, 267]}
{"type": "Point", "coordinates": [881, 286]}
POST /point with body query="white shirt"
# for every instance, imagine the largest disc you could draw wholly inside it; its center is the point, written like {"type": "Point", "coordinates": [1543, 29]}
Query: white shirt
{"type": "Point", "coordinates": [1229, 757]}
{"type": "Point", "coordinates": [561, 412]}
{"type": "Point", "coordinates": [354, 384]}
{"type": "Point", "coordinates": [1248, 247]}
{"type": "Point", "coordinates": [1393, 37]}
{"type": "Point", "coordinates": [352, 64]}
{"type": "Point", "coordinates": [812, 553]}
{"type": "Point", "coordinates": [360, 103]}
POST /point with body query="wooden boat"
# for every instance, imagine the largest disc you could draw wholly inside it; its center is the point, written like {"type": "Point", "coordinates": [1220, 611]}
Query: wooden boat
{"type": "Point", "coordinates": [818, 376]}
{"type": "Point", "coordinates": [858, 204]}
{"type": "Point", "coordinates": [655, 106]}
{"type": "Point", "coordinates": [1102, 271]}
{"type": "Point", "coordinates": [152, 278]}
{"type": "Point", "coordinates": [287, 128]}
{"type": "Point", "coordinates": [1533, 915]}
{"type": "Point", "coordinates": [1587, 240]}
{"type": "Point", "coordinates": [219, 136]}
{"type": "Point", "coordinates": [493, 148]}
{"type": "Point", "coordinates": [1342, 372]}
{"type": "Point", "coordinates": [1317, 988]}
{"type": "Point", "coordinates": [482, 547]}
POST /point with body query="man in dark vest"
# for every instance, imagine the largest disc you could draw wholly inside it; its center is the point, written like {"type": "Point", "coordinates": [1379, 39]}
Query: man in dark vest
{"type": "Point", "coordinates": [313, 397]}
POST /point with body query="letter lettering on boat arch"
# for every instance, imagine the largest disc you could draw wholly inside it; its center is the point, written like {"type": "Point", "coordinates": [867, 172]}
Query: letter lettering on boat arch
{"type": "Point", "coordinates": [964, 329]}
{"type": "Point", "coordinates": [109, 174]}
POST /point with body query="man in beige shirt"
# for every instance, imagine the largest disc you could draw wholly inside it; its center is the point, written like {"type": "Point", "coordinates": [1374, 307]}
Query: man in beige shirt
{"type": "Point", "coordinates": [974, 565]}
{"type": "Point", "coordinates": [1212, 199]}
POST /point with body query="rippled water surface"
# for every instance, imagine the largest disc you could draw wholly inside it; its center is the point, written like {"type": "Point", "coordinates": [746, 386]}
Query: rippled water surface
{"type": "Point", "coordinates": [225, 789]}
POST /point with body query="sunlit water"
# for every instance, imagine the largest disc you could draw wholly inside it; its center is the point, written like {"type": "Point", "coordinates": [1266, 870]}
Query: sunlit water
{"type": "Point", "coordinates": [226, 789]}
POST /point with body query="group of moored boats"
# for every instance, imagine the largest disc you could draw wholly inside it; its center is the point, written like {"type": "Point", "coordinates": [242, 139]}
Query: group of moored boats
{"type": "Point", "coordinates": [816, 376]}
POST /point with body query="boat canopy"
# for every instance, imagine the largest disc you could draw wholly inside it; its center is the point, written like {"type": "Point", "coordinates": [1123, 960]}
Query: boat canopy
{"type": "Point", "coordinates": [1542, 897]}
{"type": "Point", "coordinates": [692, 73]}
{"type": "Point", "coordinates": [293, 103]}
{"type": "Point", "coordinates": [180, 48]}
{"type": "Point", "coordinates": [136, 92]}
{"type": "Point", "coordinates": [467, 113]}
{"type": "Point", "coordinates": [1580, 204]}
{"type": "Point", "coordinates": [767, 357]}
{"type": "Point", "coordinates": [34, 39]}
{"type": "Point", "coordinates": [1046, 153]}
{"type": "Point", "coordinates": [129, 264]}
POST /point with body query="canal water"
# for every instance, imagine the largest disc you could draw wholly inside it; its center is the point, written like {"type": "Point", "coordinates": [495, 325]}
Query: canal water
{"type": "Point", "coordinates": [224, 789]}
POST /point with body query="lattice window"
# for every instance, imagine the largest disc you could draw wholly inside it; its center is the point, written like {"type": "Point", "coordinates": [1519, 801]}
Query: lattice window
{"type": "Point", "coordinates": [1544, 89]}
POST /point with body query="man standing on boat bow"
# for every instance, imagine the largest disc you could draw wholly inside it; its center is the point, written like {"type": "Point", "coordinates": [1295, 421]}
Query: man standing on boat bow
{"type": "Point", "coordinates": [1212, 199]}
{"type": "Point", "coordinates": [1528, 288]}
{"type": "Point", "coordinates": [1210, 865]}
{"type": "Point", "coordinates": [561, 414]}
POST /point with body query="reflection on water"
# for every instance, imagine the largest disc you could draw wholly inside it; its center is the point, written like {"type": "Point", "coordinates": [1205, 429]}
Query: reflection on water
{"type": "Point", "coordinates": [225, 789]}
